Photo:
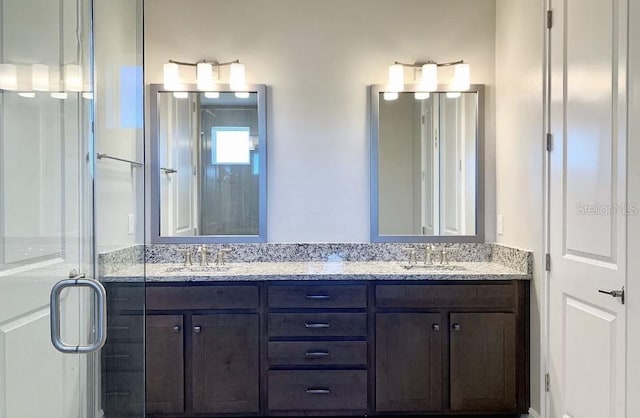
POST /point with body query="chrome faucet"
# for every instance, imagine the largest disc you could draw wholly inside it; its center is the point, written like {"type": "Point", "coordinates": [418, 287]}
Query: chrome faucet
{"type": "Point", "coordinates": [204, 255]}
{"type": "Point", "coordinates": [428, 254]}
{"type": "Point", "coordinates": [412, 257]}
{"type": "Point", "coordinates": [444, 259]}
{"type": "Point", "coordinates": [188, 259]}
{"type": "Point", "coordinates": [220, 256]}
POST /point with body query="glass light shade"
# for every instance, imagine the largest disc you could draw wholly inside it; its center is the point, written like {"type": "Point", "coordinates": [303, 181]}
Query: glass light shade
{"type": "Point", "coordinates": [171, 76]}
{"type": "Point", "coordinates": [461, 77]}
{"type": "Point", "coordinates": [429, 78]}
{"type": "Point", "coordinates": [395, 82]}
{"type": "Point", "coordinates": [59, 95]}
{"type": "Point", "coordinates": [453, 94]}
{"type": "Point", "coordinates": [204, 76]}
{"type": "Point", "coordinates": [73, 77]}
{"type": "Point", "coordinates": [211, 94]}
{"type": "Point", "coordinates": [242, 94]}
{"type": "Point", "coordinates": [237, 79]}
{"type": "Point", "coordinates": [390, 95]}
{"type": "Point", "coordinates": [181, 94]}
{"type": "Point", "coordinates": [8, 77]}
{"type": "Point", "coordinates": [421, 95]}
{"type": "Point", "coordinates": [27, 94]}
{"type": "Point", "coordinates": [40, 77]}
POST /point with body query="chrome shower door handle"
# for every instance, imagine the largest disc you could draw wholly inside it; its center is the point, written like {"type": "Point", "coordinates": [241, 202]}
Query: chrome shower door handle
{"type": "Point", "coordinates": [101, 317]}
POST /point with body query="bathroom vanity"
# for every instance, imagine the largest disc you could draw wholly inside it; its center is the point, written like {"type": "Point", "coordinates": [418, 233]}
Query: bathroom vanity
{"type": "Point", "coordinates": [368, 338]}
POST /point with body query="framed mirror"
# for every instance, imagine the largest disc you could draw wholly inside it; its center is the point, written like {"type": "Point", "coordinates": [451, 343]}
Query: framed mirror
{"type": "Point", "coordinates": [427, 160]}
{"type": "Point", "coordinates": [207, 165]}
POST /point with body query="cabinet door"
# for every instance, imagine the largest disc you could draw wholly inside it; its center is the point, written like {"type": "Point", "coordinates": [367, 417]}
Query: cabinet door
{"type": "Point", "coordinates": [408, 362]}
{"type": "Point", "coordinates": [483, 362]}
{"type": "Point", "coordinates": [225, 363]}
{"type": "Point", "coordinates": [165, 363]}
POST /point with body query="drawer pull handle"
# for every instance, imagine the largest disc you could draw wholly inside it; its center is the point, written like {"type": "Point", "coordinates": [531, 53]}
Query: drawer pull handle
{"type": "Point", "coordinates": [118, 356]}
{"type": "Point", "coordinates": [176, 328]}
{"type": "Point", "coordinates": [318, 297]}
{"type": "Point", "coordinates": [317, 354]}
{"type": "Point", "coordinates": [318, 391]}
{"type": "Point", "coordinates": [118, 393]}
{"type": "Point", "coordinates": [316, 325]}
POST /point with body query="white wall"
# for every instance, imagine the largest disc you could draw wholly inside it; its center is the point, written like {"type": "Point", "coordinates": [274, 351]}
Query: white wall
{"type": "Point", "coordinates": [118, 188]}
{"type": "Point", "coordinates": [318, 57]}
{"type": "Point", "coordinates": [519, 145]}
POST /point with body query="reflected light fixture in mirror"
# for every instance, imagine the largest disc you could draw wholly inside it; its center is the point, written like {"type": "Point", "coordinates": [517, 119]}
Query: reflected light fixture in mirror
{"type": "Point", "coordinates": [73, 77]}
{"type": "Point", "coordinates": [40, 77]}
{"type": "Point", "coordinates": [428, 78]}
{"type": "Point", "coordinates": [8, 77]}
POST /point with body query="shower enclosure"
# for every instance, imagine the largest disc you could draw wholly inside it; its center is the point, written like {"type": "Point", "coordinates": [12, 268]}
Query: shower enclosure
{"type": "Point", "coordinates": [70, 88]}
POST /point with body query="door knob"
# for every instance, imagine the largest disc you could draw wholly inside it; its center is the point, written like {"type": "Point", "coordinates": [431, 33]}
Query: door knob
{"type": "Point", "coordinates": [614, 293]}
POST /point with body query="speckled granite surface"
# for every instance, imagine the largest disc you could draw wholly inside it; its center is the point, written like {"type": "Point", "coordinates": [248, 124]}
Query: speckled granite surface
{"type": "Point", "coordinates": [355, 270]}
{"type": "Point", "coordinates": [272, 252]}
{"type": "Point", "coordinates": [515, 258]}
{"type": "Point", "coordinates": [120, 259]}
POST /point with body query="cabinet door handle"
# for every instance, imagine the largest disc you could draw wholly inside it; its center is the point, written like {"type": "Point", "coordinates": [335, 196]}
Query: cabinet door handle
{"type": "Point", "coordinates": [176, 328]}
{"type": "Point", "coordinates": [456, 327]}
{"type": "Point", "coordinates": [317, 354]}
{"type": "Point", "coordinates": [197, 329]}
{"type": "Point", "coordinates": [318, 391]}
{"type": "Point", "coordinates": [316, 325]}
{"type": "Point", "coordinates": [435, 327]}
{"type": "Point", "coordinates": [318, 297]}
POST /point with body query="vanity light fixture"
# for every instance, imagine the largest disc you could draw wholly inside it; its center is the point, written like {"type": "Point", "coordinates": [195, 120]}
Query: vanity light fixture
{"type": "Point", "coordinates": [207, 73]}
{"type": "Point", "coordinates": [73, 77]}
{"type": "Point", "coordinates": [40, 77]}
{"type": "Point", "coordinates": [8, 77]}
{"type": "Point", "coordinates": [428, 78]}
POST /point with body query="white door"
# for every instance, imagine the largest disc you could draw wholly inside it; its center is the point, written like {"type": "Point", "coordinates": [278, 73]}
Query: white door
{"type": "Point", "coordinates": [587, 209]}
{"type": "Point", "coordinates": [178, 139]}
{"type": "Point", "coordinates": [450, 175]}
{"type": "Point", "coordinates": [429, 166]}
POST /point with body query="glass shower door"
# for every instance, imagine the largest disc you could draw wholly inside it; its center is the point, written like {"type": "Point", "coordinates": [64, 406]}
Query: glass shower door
{"type": "Point", "coordinates": [46, 213]}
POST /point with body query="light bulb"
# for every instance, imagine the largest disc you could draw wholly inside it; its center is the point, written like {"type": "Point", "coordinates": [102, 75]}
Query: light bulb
{"type": "Point", "coordinates": [204, 76]}
{"type": "Point", "coordinates": [395, 83]}
{"type": "Point", "coordinates": [429, 78]}
{"type": "Point", "coordinates": [27, 94]}
{"type": "Point", "coordinates": [390, 95]}
{"type": "Point", "coordinates": [181, 94]}
{"type": "Point", "coordinates": [237, 80]}
{"type": "Point", "coordinates": [453, 94]}
{"type": "Point", "coordinates": [211, 94]}
{"type": "Point", "coordinates": [242, 94]}
{"type": "Point", "coordinates": [61, 95]}
{"type": "Point", "coordinates": [461, 77]}
{"type": "Point", "coordinates": [171, 76]}
{"type": "Point", "coordinates": [73, 77]}
{"type": "Point", "coordinates": [421, 95]}
{"type": "Point", "coordinates": [40, 77]}
{"type": "Point", "coordinates": [8, 77]}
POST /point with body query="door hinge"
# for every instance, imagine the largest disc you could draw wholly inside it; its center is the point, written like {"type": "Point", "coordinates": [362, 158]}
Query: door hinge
{"type": "Point", "coordinates": [549, 142]}
{"type": "Point", "coordinates": [547, 262]}
{"type": "Point", "coordinates": [547, 382]}
{"type": "Point", "coordinates": [549, 19]}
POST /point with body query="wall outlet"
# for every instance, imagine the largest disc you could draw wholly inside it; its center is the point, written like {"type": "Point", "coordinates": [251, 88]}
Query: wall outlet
{"type": "Point", "coordinates": [500, 225]}
{"type": "Point", "coordinates": [132, 224]}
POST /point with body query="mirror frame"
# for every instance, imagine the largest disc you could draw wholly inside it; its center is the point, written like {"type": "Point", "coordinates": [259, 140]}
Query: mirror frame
{"type": "Point", "coordinates": [153, 171]}
{"type": "Point", "coordinates": [374, 103]}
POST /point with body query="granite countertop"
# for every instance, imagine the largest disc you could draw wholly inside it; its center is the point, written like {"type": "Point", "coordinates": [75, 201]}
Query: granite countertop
{"type": "Point", "coordinates": [348, 270]}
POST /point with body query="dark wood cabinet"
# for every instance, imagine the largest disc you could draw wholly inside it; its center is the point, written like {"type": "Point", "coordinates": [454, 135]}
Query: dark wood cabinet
{"type": "Point", "coordinates": [165, 363]}
{"type": "Point", "coordinates": [225, 363]}
{"type": "Point", "coordinates": [483, 362]}
{"type": "Point", "coordinates": [408, 362]}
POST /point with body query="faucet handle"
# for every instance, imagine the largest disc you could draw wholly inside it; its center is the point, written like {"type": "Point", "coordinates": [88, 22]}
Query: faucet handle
{"type": "Point", "coordinates": [188, 260]}
{"type": "Point", "coordinates": [220, 255]}
{"type": "Point", "coordinates": [444, 259]}
{"type": "Point", "coordinates": [412, 255]}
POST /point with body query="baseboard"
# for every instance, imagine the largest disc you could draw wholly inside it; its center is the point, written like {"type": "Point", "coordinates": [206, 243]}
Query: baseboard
{"type": "Point", "coordinates": [532, 414]}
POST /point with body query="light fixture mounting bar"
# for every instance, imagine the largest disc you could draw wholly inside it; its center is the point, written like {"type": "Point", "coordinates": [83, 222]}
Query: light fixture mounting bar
{"type": "Point", "coordinates": [194, 64]}
{"type": "Point", "coordinates": [420, 64]}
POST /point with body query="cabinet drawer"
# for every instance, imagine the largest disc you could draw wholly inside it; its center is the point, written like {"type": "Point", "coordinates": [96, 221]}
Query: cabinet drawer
{"type": "Point", "coordinates": [318, 296]}
{"type": "Point", "coordinates": [124, 393]}
{"type": "Point", "coordinates": [318, 325]}
{"type": "Point", "coordinates": [496, 296]}
{"type": "Point", "coordinates": [123, 357]}
{"type": "Point", "coordinates": [311, 353]}
{"type": "Point", "coordinates": [125, 328]}
{"type": "Point", "coordinates": [202, 297]}
{"type": "Point", "coordinates": [125, 298]}
{"type": "Point", "coordinates": [317, 390]}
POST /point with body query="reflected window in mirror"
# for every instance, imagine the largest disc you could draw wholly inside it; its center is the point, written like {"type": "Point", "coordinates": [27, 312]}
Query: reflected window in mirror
{"type": "Point", "coordinates": [208, 178]}
{"type": "Point", "coordinates": [427, 166]}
